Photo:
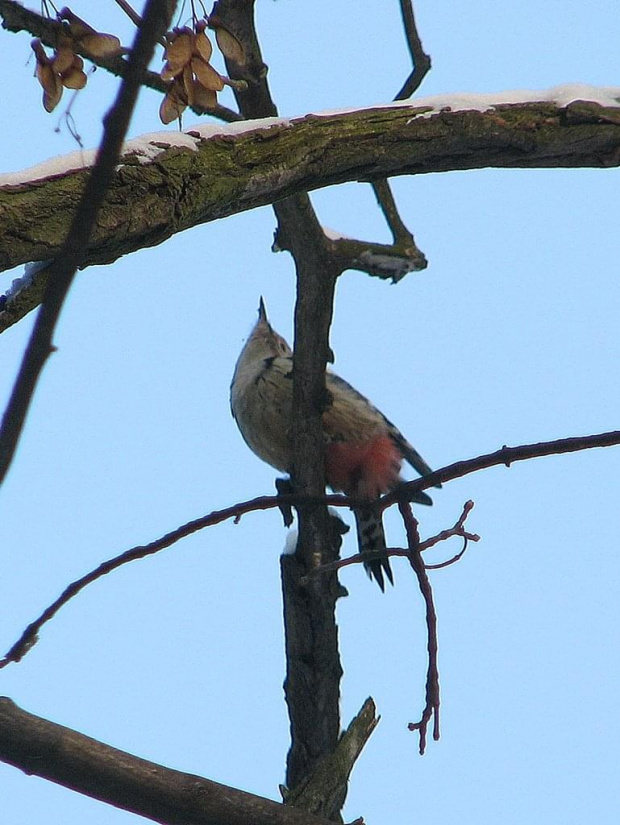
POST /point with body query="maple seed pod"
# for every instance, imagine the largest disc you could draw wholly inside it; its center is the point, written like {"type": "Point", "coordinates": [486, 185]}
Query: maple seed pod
{"type": "Point", "coordinates": [204, 98]}
{"type": "Point", "coordinates": [206, 75]}
{"type": "Point", "coordinates": [97, 44]}
{"type": "Point", "coordinates": [174, 103]}
{"type": "Point", "coordinates": [64, 55]}
{"type": "Point", "coordinates": [78, 27]}
{"type": "Point", "coordinates": [101, 45]}
{"type": "Point", "coordinates": [74, 77]}
{"type": "Point", "coordinates": [203, 47]}
{"type": "Point", "coordinates": [228, 44]}
{"type": "Point", "coordinates": [179, 52]}
{"type": "Point", "coordinates": [47, 77]}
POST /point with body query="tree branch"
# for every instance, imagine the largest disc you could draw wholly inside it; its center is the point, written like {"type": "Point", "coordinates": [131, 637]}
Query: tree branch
{"type": "Point", "coordinates": [312, 684]}
{"type": "Point", "coordinates": [403, 239]}
{"type": "Point", "coordinates": [231, 171]}
{"type": "Point", "coordinates": [421, 61]}
{"type": "Point", "coordinates": [87, 766]}
{"type": "Point", "coordinates": [404, 493]}
{"type": "Point", "coordinates": [431, 707]}
{"type": "Point", "coordinates": [157, 18]}
{"type": "Point", "coordinates": [324, 790]}
{"type": "Point", "coordinates": [505, 456]}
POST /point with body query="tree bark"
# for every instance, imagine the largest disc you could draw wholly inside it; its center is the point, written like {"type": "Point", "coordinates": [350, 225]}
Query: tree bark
{"type": "Point", "coordinates": [80, 763]}
{"type": "Point", "coordinates": [232, 172]}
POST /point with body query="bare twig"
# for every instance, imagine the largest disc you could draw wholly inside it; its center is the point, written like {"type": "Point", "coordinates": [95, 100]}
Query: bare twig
{"type": "Point", "coordinates": [421, 61]}
{"type": "Point", "coordinates": [431, 708]}
{"type": "Point", "coordinates": [393, 552]}
{"type": "Point", "coordinates": [131, 13]}
{"type": "Point", "coordinates": [505, 456]}
{"type": "Point", "coordinates": [30, 634]}
{"type": "Point", "coordinates": [156, 20]}
{"type": "Point", "coordinates": [403, 239]}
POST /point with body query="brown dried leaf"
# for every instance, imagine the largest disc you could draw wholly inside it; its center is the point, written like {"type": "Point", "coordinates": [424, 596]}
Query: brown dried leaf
{"type": "Point", "coordinates": [204, 98]}
{"type": "Point", "coordinates": [173, 105]}
{"type": "Point", "coordinates": [179, 51]}
{"type": "Point", "coordinates": [188, 84]}
{"type": "Point", "coordinates": [63, 56]}
{"type": "Point", "coordinates": [206, 75]}
{"type": "Point", "coordinates": [101, 45]}
{"type": "Point", "coordinates": [230, 47]}
{"type": "Point", "coordinates": [74, 77]}
{"type": "Point", "coordinates": [203, 47]}
{"type": "Point", "coordinates": [52, 88]}
{"type": "Point", "coordinates": [79, 28]}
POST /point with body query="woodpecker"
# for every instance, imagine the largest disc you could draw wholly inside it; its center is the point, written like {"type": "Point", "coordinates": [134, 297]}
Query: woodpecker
{"type": "Point", "coordinates": [363, 450]}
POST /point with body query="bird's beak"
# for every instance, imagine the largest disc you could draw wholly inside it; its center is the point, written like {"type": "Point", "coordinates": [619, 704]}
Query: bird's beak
{"type": "Point", "coordinates": [262, 312]}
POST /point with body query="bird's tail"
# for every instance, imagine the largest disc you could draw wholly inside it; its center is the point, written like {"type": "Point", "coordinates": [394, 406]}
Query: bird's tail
{"type": "Point", "coordinates": [371, 539]}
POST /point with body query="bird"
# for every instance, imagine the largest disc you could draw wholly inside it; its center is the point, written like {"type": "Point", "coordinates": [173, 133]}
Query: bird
{"type": "Point", "coordinates": [364, 451]}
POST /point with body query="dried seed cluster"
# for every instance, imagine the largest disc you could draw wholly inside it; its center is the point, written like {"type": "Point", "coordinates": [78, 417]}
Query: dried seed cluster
{"type": "Point", "coordinates": [192, 80]}
{"type": "Point", "coordinates": [65, 68]}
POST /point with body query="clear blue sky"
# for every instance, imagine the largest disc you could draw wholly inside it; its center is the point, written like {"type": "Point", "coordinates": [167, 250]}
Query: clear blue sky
{"type": "Point", "coordinates": [510, 336]}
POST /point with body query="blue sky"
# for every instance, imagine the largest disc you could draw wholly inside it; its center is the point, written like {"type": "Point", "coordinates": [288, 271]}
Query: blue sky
{"type": "Point", "coordinates": [510, 336]}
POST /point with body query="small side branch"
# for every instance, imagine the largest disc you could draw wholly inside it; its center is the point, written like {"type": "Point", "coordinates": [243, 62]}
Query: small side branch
{"type": "Point", "coordinates": [458, 529]}
{"type": "Point", "coordinates": [421, 61]}
{"type": "Point", "coordinates": [323, 792]}
{"type": "Point", "coordinates": [404, 242]}
{"type": "Point", "coordinates": [431, 708]}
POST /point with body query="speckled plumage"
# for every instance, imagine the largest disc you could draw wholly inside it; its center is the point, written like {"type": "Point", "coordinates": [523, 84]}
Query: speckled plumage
{"type": "Point", "coordinates": [364, 449]}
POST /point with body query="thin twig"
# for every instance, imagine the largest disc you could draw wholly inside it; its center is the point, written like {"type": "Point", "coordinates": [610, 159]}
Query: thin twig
{"type": "Point", "coordinates": [505, 456]}
{"type": "Point", "coordinates": [421, 66]}
{"type": "Point", "coordinates": [421, 61]}
{"type": "Point", "coordinates": [65, 265]}
{"type": "Point", "coordinates": [30, 634]}
{"type": "Point", "coordinates": [431, 707]}
{"type": "Point", "coordinates": [131, 13]}
{"type": "Point", "coordinates": [394, 552]}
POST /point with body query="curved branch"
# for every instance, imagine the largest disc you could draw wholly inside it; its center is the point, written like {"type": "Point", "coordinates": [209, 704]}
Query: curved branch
{"type": "Point", "coordinates": [404, 493]}
{"type": "Point", "coordinates": [431, 707]}
{"type": "Point", "coordinates": [421, 61]}
{"type": "Point", "coordinates": [505, 456]}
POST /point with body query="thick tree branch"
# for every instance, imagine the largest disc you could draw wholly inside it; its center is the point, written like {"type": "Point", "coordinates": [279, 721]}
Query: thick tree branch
{"type": "Point", "coordinates": [312, 685]}
{"type": "Point", "coordinates": [157, 18]}
{"type": "Point", "coordinates": [87, 766]}
{"type": "Point", "coordinates": [231, 172]}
